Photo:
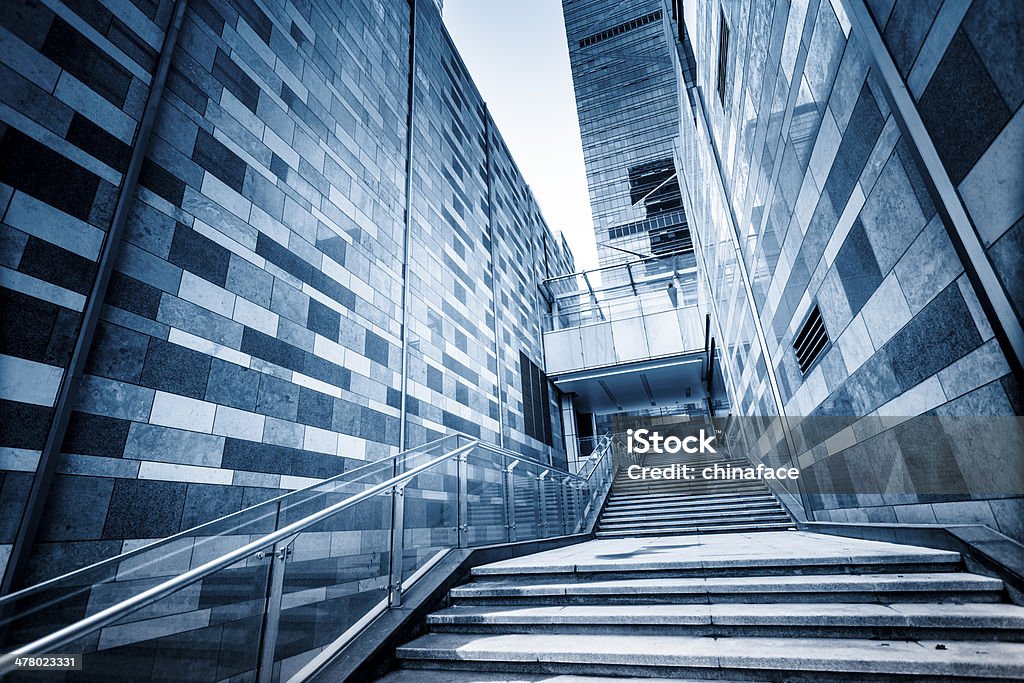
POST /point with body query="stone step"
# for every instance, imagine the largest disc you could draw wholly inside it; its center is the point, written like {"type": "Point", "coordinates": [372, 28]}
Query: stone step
{"type": "Point", "coordinates": [679, 492]}
{"type": "Point", "coordinates": [667, 516]}
{"type": "Point", "coordinates": [704, 657]}
{"type": "Point", "coordinates": [627, 508]}
{"type": "Point", "coordinates": [735, 526]}
{"type": "Point", "coordinates": [632, 501]}
{"type": "Point", "coordinates": [675, 484]}
{"type": "Point", "coordinates": [427, 676]}
{"type": "Point", "coordinates": [891, 621]}
{"type": "Point", "coordinates": [641, 565]}
{"type": "Point", "coordinates": [753, 589]}
{"type": "Point", "coordinates": [657, 525]}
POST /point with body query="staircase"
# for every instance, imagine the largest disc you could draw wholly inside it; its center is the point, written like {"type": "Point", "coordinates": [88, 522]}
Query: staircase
{"type": "Point", "coordinates": [767, 606]}
{"type": "Point", "coordinates": [662, 507]}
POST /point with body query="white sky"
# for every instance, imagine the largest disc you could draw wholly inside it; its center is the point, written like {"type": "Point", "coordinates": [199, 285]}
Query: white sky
{"type": "Point", "coordinates": [516, 53]}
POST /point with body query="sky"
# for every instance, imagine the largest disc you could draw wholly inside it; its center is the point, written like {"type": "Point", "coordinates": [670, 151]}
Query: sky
{"type": "Point", "coordinates": [516, 53]}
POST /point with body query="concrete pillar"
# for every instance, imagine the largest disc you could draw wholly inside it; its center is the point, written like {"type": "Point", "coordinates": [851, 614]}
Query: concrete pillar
{"type": "Point", "coordinates": [572, 431]}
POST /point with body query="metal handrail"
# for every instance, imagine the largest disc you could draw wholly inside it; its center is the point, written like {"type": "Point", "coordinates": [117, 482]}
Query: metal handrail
{"type": "Point", "coordinates": [147, 597]}
{"type": "Point", "coordinates": [194, 531]}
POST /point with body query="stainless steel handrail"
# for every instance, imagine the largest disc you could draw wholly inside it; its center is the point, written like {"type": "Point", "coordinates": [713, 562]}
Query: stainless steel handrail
{"type": "Point", "coordinates": [147, 597]}
{"type": "Point", "coordinates": [194, 531]}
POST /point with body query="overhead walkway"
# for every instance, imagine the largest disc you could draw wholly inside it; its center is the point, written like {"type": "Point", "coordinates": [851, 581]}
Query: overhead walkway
{"type": "Point", "coordinates": [626, 337]}
{"type": "Point", "coordinates": [275, 591]}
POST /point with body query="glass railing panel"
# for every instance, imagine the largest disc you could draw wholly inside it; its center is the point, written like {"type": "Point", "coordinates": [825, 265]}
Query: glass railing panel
{"type": "Point", "coordinates": [27, 616]}
{"type": "Point", "coordinates": [526, 499]}
{"type": "Point", "coordinates": [485, 505]}
{"type": "Point", "coordinates": [75, 596]}
{"type": "Point", "coordinates": [208, 630]}
{"type": "Point", "coordinates": [431, 516]}
{"type": "Point", "coordinates": [336, 574]}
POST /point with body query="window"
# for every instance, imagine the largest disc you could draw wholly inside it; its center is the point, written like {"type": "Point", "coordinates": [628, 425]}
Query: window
{"type": "Point", "coordinates": [621, 28]}
{"type": "Point", "coordinates": [723, 55]}
{"type": "Point", "coordinates": [811, 340]}
{"type": "Point", "coordinates": [536, 401]}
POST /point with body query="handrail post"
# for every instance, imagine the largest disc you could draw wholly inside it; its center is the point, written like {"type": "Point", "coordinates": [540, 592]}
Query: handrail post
{"type": "Point", "coordinates": [463, 530]}
{"type": "Point", "coordinates": [508, 479]}
{"type": "Point", "coordinates": [542, 495]}
{"type": "Point", "coordinates": [566, 506]}
{"type": "Point", "coordinates": [397, 546]}
{"type": "Point", "coordinates": [278, 555]}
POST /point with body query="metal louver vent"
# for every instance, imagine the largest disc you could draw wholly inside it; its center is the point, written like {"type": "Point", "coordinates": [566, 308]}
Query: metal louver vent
{"type": "Point", "coordinates": [811, 340]}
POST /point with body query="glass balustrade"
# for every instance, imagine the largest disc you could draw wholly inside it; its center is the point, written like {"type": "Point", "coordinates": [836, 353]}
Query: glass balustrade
{"type": "Point", "coordinates": [267, 592]}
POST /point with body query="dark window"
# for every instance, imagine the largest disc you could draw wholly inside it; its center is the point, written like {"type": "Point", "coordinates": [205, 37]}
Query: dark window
{"type": "Point", "coordinates": [723, 55]}
{"type": "Point", "coordinates": [619, 29]}
{"type": "Point", "coordinates": [811, 341]}
{"type": "Point", "coordinates": [536, 400]}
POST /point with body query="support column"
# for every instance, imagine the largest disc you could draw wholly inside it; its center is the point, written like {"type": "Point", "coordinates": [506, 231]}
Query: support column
{"type": "Point", "coordinates": [572, 431]}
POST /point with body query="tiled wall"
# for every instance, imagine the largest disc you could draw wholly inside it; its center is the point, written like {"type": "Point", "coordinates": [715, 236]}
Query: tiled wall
{"type": "Point", "coordinates": [251, 338]}
{"type": "Point", "coordinates": [822, 195]}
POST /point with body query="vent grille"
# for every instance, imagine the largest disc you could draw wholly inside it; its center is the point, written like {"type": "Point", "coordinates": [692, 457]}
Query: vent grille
{"type": "Point", "coordinates": [811, 340]}
{"type": "Point", "coordinates": [621, 28]}
{"type": "Point", "coordinates": [536, 401]}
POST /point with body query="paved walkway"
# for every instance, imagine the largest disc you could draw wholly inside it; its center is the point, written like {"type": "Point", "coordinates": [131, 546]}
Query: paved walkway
{"type": "Point", "coordinates": [770, 548]}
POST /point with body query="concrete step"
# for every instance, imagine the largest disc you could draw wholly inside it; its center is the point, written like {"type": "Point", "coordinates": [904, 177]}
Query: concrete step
{"type": "Point", "coordinates": [657, 487]}
{"type": "Point", "coordinates": [656, 523]}
{"type": "Point", "coordinates": [672, 493]}
{"type": "Point", "coordinates": [956, 587]}
{"type": "Point", "coordinates": [1003, 622]}
{"type": "Point", "coordinates": [427, 676]}
{"type": "Point", "coordinates": [685, 504]}
{"type": "Point", "coordinates": [650, 565]}
{"type": "Point", "coordinates": [668, 516]}
{"type": "Point", "coordinates": [703, 657]}
{"type": "Point", "coordinates": [634, 501]}
{"type": "Point", "coordinates": [701, 528]}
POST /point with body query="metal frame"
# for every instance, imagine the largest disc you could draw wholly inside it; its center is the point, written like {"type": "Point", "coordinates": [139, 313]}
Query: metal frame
{"type": "Point", "coordinates": [407, 237]}
{"type": "Point", "coordinates": [66, 394]}
{"type": "Point", "coordinates": [279, 542]}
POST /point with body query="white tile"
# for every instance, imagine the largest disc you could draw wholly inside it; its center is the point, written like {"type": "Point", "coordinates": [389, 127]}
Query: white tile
{"type": "Point", "coordinates": [255, 316]}
{"type": "Point", "coordinates": [171, 410]}
{"type": "Point", "coordinates": [886, 311]}
{"type": "Point", "coordinates": [216, 190]}
{"type": "Point", "coordinates": [191, 341]}
{"type": "Point", "coordinates": [321, 440]}
{"type": "Point", "coordinates": [855, 344]}
{"type": "Point", "coordinates": [239, 424]}
{"type": "Point", "coordinates": [26, 381]}
{"type": "Point", "coordinates": [40, 289]}
{"type": "Point", "coordinates": [994, 189]}
{"type": "Point", "coordinates": [52, 225]}
{"type": "Point", "coordinates": [289, 482]}
{"type": "Point", "coordinates": [915, 401]}
{"type": "Point", "coordinates": [206, 294]}
{"type": "Point", "coordinates": [351, 447]}
{"type": "Point", "coordinates": [188, 473]}
{"type": "Point", "coordinates": [316, 385]}
{"type": "Point", "coordinates": [18, 459]}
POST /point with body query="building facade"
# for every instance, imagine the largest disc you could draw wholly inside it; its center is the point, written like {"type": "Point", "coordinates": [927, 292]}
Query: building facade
{"type": "Point", "coordinates": [329, 255]}
{"type": "Point", "coordinates": [625, 88]}
{"type": "Point", "coordinates": [859, 236]}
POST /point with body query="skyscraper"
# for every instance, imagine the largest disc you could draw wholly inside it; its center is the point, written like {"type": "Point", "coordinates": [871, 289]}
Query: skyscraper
{"type": "Point", "coordinates": [626, 99]}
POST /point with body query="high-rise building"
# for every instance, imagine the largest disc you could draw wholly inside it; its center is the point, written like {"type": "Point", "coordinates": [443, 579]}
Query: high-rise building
{"type": "Point", "coordinates": [625, 87]}
{"type": "Point", "coordinates": [307, 276]}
